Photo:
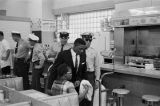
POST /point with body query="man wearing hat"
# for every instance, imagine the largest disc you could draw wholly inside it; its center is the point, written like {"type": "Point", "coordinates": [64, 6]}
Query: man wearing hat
{"type": "Point", "coordinates": [59, 46]}
{"type": "Point", "coordinates": [38, 59]}
{"type": "Point", "coordinates": [5, 62]}
{"type": "Point", "coordinates": [92, 60]}
{"type": "Point", "coordinates": [21, 66]}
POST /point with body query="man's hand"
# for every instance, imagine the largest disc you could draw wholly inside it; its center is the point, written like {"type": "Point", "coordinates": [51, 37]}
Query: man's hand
{"type": "Point", "coordinates": [77, 83]}
{"type": "Point", "coordinates": [86, 87]}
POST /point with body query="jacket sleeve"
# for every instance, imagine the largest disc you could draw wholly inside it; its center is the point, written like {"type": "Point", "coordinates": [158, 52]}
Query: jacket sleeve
{"type": "Point", "coordinates": [82, 70]}
{"type": "Point", "coordinates": [52, 73]}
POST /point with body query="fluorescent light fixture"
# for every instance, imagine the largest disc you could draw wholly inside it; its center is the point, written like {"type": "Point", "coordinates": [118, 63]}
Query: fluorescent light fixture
{"type": "Point", "coordinates": [152, 12]}
{"type": "Point", "coordinates": [135, 12]}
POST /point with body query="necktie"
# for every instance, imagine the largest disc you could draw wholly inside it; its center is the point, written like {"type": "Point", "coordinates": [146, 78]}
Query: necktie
{"type": "Point", "coordinates": [31, 54]}
{"type": "Point", "coordinates": [62, 48]}
{"type": "Point", "coordinates": [16, 49]}
{"type": "Point", "coordinates": [76, 63]}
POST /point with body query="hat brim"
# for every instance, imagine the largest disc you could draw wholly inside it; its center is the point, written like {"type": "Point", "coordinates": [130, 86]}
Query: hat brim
{"type": "Point", "coordinates": [32, 40]}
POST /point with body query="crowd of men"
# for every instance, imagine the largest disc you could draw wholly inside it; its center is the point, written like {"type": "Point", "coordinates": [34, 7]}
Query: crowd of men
{"type": "Point", "coordinates": [70, 62]}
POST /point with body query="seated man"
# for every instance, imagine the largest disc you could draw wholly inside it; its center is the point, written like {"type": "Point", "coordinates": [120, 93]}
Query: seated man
{"type": "Point", "coordinates": [62, 85]}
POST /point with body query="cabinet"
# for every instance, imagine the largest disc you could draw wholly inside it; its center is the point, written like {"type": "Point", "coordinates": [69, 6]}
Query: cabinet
{"type": "Point", "coordinates": [142, 41]}
{"type": "Point", "coordinates": [130, 41]}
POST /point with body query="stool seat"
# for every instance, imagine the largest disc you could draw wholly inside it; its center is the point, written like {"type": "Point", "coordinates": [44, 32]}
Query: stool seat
{"type": "Point", "coordinates": [151, 98]}
{"type": "Point", "coordinates": [119, 94]}
{"type": "Point", "coordinates": [121, 91]}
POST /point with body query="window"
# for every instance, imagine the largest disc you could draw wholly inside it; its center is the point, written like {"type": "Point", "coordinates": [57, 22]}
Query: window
{"type": "Point", "coordinates": [83, 22]}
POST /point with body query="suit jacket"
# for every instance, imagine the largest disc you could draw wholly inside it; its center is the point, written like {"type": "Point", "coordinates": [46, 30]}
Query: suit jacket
{"type": "Point", "coordinates": [66, 57]}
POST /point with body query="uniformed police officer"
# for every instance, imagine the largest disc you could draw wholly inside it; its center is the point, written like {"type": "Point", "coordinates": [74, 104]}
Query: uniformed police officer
{"type": "Point", "coordinates": [59, 46]}
{"type": "Point", "coordinates": [92, 61]}
{"type": "Point", "coordinates": [21, 66]}
{"type": "Point", "coordinates": [38, 59]}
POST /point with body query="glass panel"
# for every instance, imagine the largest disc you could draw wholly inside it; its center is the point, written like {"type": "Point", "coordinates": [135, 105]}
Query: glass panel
{"type": "Point", "coordinates": [83, 22]}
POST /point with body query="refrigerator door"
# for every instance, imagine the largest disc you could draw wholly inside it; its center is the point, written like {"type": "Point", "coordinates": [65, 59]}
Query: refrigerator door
{"type": "Point", "coordinates": [130, 41]}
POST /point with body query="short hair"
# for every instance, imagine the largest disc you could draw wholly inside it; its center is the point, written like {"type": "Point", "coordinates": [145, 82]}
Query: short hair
{"type": "Point", "coordinates": [1, 33]}
{"type": "Point", "coordinates": [62, 69]}
{"type": "Point", "coordinates": [79, 41]}
{"type": "Point", "coordinates": [16, 34]}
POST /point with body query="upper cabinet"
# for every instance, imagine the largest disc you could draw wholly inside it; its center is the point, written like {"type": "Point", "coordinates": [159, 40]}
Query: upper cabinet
{"type": "Point", "coordinates": [141, 41]}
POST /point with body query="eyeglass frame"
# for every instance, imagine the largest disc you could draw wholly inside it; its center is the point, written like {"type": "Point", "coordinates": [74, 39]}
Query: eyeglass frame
{"type": "Point", "coordinates": [64, 37]}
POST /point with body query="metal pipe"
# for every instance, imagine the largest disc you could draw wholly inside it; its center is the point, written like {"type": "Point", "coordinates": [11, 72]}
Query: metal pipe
{"type": "Point", "coordinates": [100, 83]}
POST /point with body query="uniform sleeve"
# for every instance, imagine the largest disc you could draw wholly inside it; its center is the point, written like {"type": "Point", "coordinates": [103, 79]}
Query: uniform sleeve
{"type": "Point", "coordinates": [97, 66]}
{"type": "Point", "coordinates": [6, 45]}
{"type": "Point", "coordinates": [51, 53]}
{"type": "Point", "coordinates": [52, 74]}
{"type": "Point", "coordinates": [40, 55]}
{"type": "Point", "coordinates": [27, 44]}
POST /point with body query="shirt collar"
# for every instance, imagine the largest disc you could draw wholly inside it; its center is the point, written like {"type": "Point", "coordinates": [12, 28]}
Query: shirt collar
{"type": "Point", "coordinates": [73, 52]}
{"type": "Point", "coordinates": [59, 43]}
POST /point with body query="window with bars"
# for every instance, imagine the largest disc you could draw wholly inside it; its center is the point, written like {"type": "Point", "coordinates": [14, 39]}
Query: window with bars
{"type": "Point", "coordinates": [78, 23]}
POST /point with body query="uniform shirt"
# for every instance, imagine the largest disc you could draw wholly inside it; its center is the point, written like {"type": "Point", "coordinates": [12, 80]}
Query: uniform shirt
{"type": "Point", "coordinates": [92, 62]}
{"type": "Point", "coordinates": [4, 46]}
{"type": "Point", "coordinates": [23, 49]}
{"type": "Point", "coordinates": [56, 48]}
{"type": "Point", "coordinates": [38, 56]}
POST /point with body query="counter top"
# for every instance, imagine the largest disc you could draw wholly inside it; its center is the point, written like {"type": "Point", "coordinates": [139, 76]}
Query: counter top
{"type": "Point", "coordinates": [131, 70]}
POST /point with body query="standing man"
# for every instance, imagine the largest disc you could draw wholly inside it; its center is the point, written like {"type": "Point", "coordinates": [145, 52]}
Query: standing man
{"type": "Point", "coordinates": [37, 60]}
{"type": "Point", "coordinates": [92, 61]}
{"type": "Point", "coordinates": [21, 66]}
{"type": "Point", "coordinates": [74, 58]}
{"type": "Point", "coordinates": [59, 46]}
{"type": "Point", "coordinates": [5, 63]}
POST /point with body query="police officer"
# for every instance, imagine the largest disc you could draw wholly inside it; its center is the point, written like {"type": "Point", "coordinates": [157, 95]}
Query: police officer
{"type": "Point", "coordinates": [92, 61]}
{"type": "Point", "coordinates": [59, 46]}
{"type": "Point", "coordinates": [38, 59]}
{"type": "Point", "coordinates": [21, 66]}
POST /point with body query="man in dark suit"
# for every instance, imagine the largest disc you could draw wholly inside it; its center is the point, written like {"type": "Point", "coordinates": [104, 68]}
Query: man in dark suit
{"type": "Point", "coordinates": [75, 58]}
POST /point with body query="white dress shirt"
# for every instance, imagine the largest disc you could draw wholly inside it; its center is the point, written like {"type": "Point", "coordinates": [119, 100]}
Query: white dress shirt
{"type": "Point", "coordinates": [74, 58]}
{"type": "Point", "coordinates": [4, 46]}
{"type": "Point", "coordinates": [92, 61]}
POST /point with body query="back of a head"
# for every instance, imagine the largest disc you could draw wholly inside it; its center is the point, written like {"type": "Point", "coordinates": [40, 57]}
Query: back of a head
{"type": "Point", "coordinates": [1, 33]}
{"type": "Point", "coordinates": [62, 69]}
{"type": "Point", "coordinates": [79, 41]}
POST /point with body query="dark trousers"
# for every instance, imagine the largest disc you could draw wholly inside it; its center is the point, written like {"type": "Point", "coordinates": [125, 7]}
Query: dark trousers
{"type": "Point", "coordinates": [21, 69]}
{"type": "Point", "coordinates": [6, 70]}
{"type": "Point", "coordinates": [90, 76]}
{"type": "Point", "coordinates": [36, 75]}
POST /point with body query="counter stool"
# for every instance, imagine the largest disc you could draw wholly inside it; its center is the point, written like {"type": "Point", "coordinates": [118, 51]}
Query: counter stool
{"type": "Point", "coordinates": [111, 101]}
{"type": "Point", "coordinates": [151, 100]}
{"type": "Point", "coordinates": [119, 94]}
